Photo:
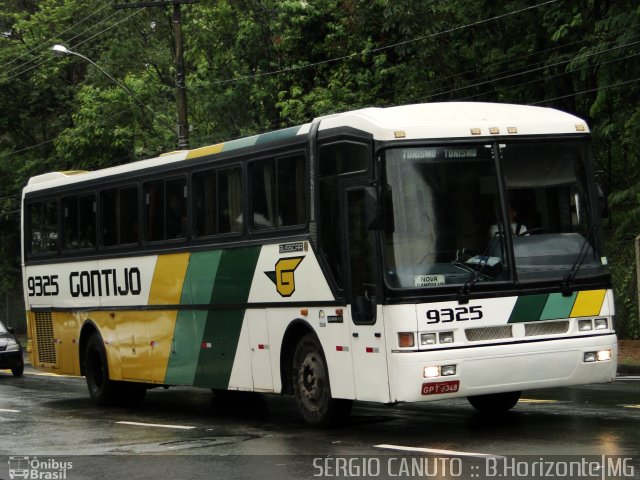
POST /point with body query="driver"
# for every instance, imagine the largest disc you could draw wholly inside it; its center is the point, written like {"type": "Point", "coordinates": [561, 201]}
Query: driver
{"type": "Point", "coordinates": [517, 228]}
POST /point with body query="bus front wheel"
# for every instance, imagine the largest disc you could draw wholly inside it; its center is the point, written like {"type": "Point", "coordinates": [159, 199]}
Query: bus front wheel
{"type": "Point", "coordinates": [494, 403]}
{"type": "Point", "coordinates": [101, 388]}
{"type": "Point", "coordinates": [311, 387]}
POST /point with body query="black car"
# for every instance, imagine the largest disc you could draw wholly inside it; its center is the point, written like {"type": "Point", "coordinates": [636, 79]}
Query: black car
{"type": "Point", "coordinates": [10, 352]}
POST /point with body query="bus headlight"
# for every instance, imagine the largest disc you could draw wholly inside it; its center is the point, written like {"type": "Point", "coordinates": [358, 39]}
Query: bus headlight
{"type": "Point", "coordinates": [428, 339]}
{"type": "Point", "coordinates": [599, 356]}
{"type": "Point", "coordinates": [432, 371]}
{"type": "Point", "coordinates": [601, 323]}
{"type": "Point", "coordinates": [446, 337]}
{"type": "Point", "coordinates": [447, 370]}
{"type": "Point", "coordinates": [585, 325]}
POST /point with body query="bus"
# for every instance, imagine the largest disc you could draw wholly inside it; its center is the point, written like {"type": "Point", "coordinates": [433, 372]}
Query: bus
{"type": "Point", "coordinates": [402, 254]}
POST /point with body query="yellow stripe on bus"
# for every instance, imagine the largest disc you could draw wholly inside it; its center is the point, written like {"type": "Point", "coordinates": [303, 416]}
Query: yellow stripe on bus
{"type": "Point", "coordinates": [201, 152]}
{"type": "Point", "coordinates": [588, 303]}
{"type": "Point", "coordinates": [168, 279]}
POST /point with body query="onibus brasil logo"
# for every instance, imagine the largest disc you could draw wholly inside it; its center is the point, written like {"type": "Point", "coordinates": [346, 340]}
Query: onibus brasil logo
{"type": "Point", "coordinates": [33, 468]}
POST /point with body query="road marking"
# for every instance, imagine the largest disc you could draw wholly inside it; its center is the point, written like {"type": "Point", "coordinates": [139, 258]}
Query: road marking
{"type": "Point", "coordinates": [9, 410]}
{"type": "Point", "coordinates": [536, 400]}
{"type": "Point", "coordinates": [140, 424]}
{"type": "Point", "coordinates": [631, 406]}
{"type": "Point", "coordinates": [436, 451]}
{"type": "Point", "coordinates": [47, 374]}
{"type": "Point", "coordinates": [628, 377]}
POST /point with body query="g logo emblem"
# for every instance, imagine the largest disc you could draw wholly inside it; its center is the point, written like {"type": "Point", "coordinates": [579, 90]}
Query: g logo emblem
{"type": "Point", "coordinates": [283, 276]}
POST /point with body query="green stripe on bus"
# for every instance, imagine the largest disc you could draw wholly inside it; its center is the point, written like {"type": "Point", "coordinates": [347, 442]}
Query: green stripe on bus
{"type": "Point", "coordinates": [528, 308]}
{"type": "Point", "coordinates": [222, 331]}
{"type": "Point", "coordinates": [558, 306]}
{"type": "Point", "coordinates": [190, 324]}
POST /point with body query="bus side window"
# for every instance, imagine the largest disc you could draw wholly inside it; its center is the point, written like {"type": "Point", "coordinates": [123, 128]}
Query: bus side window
{"type": "Point", "coordinates": [278, 192]}
{"type": "Point", "coordinates": [70, 223]}
{"type": "Point", "coordinates": [218, 201]}
{"type": "Point", "coordinates": [119, 216]}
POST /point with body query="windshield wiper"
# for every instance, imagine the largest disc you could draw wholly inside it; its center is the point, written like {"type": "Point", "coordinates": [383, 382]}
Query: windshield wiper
{"type": "Point", "coordinates": [567, 282]}
{"type": "Point", "coordinates": [475, 273]}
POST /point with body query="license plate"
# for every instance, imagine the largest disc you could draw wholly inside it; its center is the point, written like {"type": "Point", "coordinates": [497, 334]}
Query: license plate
{"type": "Point", "coordinates": [436, 388]}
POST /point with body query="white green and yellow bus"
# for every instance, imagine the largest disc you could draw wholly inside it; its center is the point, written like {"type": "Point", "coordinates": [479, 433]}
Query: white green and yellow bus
{"type": "Point", "coordinates": [402, 254]}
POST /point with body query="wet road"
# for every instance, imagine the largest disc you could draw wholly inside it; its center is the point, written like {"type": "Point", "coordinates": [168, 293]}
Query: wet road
{"type": "Point", "coordinates": [260, 436]}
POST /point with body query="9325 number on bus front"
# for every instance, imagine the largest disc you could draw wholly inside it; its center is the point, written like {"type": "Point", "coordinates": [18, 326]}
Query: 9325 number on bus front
{"type": "Point", "coordinates": [458, 314]}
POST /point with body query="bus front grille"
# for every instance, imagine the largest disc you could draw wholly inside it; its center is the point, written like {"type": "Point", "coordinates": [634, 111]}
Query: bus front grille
{"type": "Point", "coordinates": [44, 338]}
{"type": "Point", "coordinates": [482, 334]}
{"type": "Point", "coordinates": [546, 328]}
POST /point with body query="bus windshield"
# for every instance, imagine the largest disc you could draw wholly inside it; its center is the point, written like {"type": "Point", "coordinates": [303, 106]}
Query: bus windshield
{"type": "Point", "coordinates": [447, 214]}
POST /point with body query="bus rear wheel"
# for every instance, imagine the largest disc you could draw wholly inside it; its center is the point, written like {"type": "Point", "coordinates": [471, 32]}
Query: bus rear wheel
{"type": "Point", "coordinates": [101, 389]}
{"type": "Point", "coordinates": [494, 403]}
{"type": "Point", "coordinates": [311, 387]}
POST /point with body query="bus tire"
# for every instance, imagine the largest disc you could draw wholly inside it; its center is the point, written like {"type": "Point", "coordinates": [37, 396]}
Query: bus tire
{"type": "Point", "coordinates": [494, 403]}
{"type": "Point", "coordinates": [102, 390]}
{"type": "Point", "coordinates": [311, 387]}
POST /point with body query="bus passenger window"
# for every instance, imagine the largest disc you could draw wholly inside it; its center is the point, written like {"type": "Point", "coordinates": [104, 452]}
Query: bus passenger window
{"type": "Point", "coordinates": [176, 208]}
{"type": "Point", "coordinates": [43, 227]}
{"type": "Point", "coordinates": [278, 192]}
{"type": "Point", "coordinates": [119, 216]}
{"type": "Point", "coordinates": [218, 201]}
{"type": "Point", "coordinates": [70, 223]}
{"type": "Point", "coordinates": [87, 221]}
{"type": "Point", "coordinates": [154, 211]}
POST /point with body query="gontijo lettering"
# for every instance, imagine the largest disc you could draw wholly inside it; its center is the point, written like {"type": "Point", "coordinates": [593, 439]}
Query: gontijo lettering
{"type": "Point", "coordinates": [107, 282]}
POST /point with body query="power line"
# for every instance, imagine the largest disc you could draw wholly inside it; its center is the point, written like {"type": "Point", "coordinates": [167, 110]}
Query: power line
{"type": "Point", "coordinates": [48, 42]}
{"type": "Point", "coordinates": [532, 70]}
{"type": "Point", "coordinates": [79, 43]}
{"type": "Point", "coordinates": [591, 90]}
{"type": "Point", "coordinates": [377, 49]}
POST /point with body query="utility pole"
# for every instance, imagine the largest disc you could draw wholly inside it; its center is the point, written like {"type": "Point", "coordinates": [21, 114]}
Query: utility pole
{"type": "Point", "coordinates": [181, 90]}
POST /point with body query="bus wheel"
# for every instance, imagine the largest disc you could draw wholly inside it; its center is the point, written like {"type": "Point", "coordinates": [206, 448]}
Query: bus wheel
{"type": "Point", "coordinates": [101, 388]}
{"type": "Point", "coordinates": [494, 402]}
{"type": "Point", "coordinates": [311, 385]}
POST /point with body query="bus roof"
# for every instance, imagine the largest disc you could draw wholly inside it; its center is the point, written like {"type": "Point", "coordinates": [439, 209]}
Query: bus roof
{"type": "Point", "coordinates": [406, 122]}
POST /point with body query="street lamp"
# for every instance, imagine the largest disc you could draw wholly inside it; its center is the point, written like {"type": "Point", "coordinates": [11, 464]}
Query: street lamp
{"type": "Point", "coordinates": [61, 51]}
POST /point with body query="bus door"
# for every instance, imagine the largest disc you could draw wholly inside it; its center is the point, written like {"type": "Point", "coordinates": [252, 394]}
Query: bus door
{"type": "Point", "coordinates": [366, 322]}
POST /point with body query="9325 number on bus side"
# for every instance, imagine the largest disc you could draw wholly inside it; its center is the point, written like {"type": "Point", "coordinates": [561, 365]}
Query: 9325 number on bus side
{"type": "Point", "coordinates": [458, 314]}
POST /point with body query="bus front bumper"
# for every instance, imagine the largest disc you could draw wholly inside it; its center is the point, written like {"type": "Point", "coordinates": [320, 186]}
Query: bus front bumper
{"type": "Point", "coordinates": [484, 369]}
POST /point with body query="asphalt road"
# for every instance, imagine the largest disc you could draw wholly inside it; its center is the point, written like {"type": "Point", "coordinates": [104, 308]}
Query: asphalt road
{"type": "Point", "coordinates": [189, 433]}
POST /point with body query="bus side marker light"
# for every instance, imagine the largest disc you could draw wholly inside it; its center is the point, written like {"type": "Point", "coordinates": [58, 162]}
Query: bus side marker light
{"type": "Point", "coordinates": [512, 129]}
{"type": "Point", "coordinates": [585, 325]}
{"type": "Point", "coordinates": [406, 339]}
{"type": "Point", "coordinates": [304, 312]}
{"type": "Point", "coordinates": [475, 131]}
{"type": "Point", "coordinates": [341, 348]}
{"type": "Point", "coordinates": [372, 350]}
